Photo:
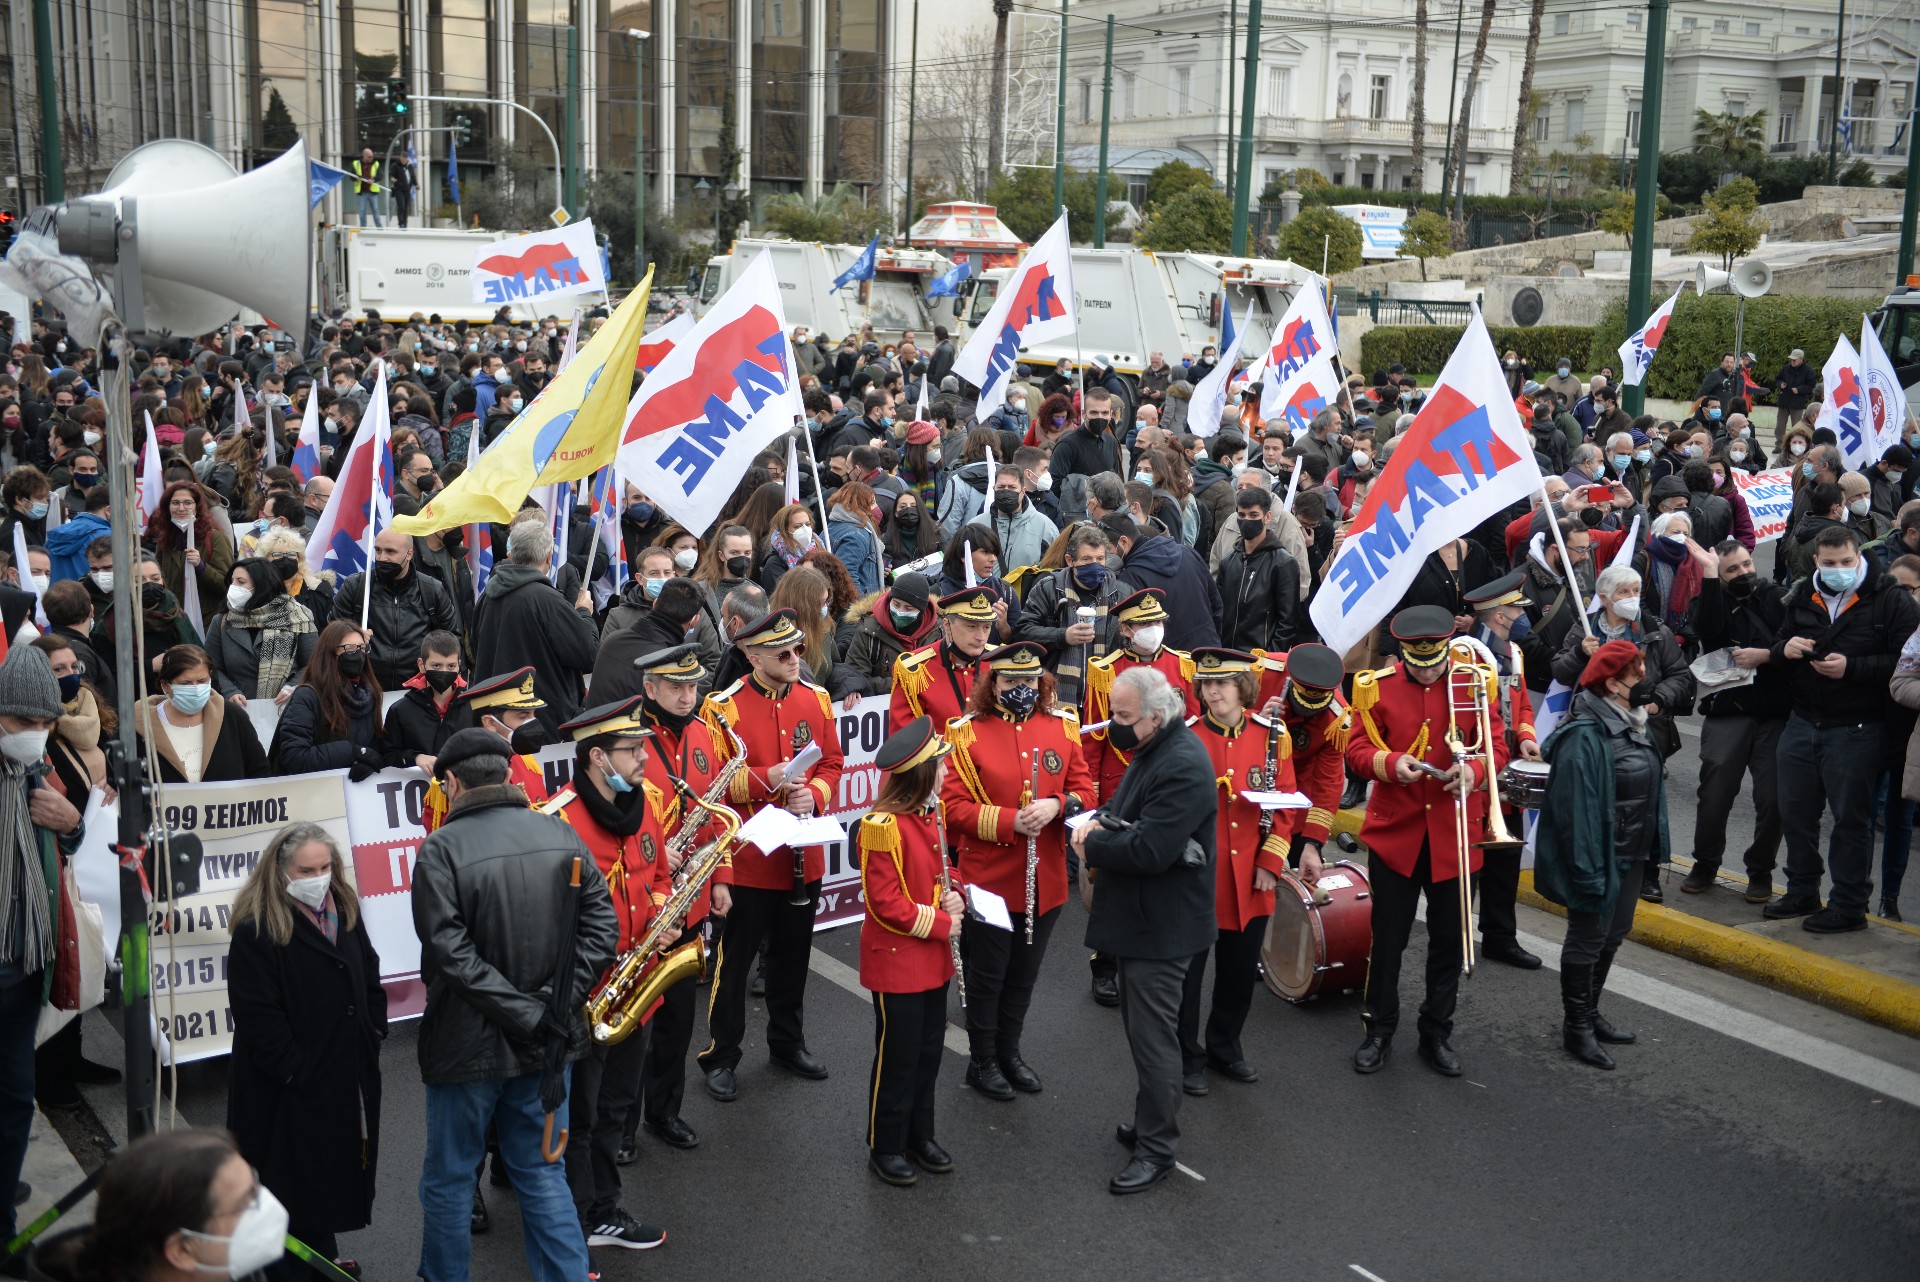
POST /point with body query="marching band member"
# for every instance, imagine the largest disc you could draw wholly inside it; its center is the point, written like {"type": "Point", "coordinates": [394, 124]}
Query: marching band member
{"type": "Point", "coordinates": [1501, 609]}
{"type": "Point", "coordinates": [1248, 753]}
{"type": "Point", "coordinates": [1317, 721]}
{"type": "Point", "coordinates": [1404, 713]}
{"type": "Point", "coordinates": [775, 895]}
{"type": "Point", "coordinates": [617, 814]}
{"type": "Point", "coordinates": [906, 951]}
{"type": "Point", "coordinates": [936, 680]}
{"type": "Point", "coordinates": [1142, 618]}
{"type": "Point", "coordinates": [505, 706]}
{"type": "Point", "coordinates": [687, 753]}
{"type": "Point", "coordinates": [1016, 775]}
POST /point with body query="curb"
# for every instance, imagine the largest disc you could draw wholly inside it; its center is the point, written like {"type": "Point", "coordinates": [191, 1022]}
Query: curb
{"type": "Point", "coordinates": [1838, 985]}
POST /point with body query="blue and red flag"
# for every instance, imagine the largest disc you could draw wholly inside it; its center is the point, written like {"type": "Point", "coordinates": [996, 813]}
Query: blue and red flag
{"type": "Point", "coordinates": [362, 502]}
{"type": "Point", "coordinates": [306, 451]}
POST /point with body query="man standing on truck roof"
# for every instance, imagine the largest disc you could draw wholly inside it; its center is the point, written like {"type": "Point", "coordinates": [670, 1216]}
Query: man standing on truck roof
{"type": "Point", "coordinates": [366, 186]}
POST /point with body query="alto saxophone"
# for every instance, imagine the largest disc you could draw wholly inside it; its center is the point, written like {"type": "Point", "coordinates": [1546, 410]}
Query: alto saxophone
{"type": "Point", "coordinates": [643, 973]}
{"type": "Point", "coordinates": [696, 816]}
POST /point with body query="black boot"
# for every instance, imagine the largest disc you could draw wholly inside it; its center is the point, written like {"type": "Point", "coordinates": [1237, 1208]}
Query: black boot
{"type": "Point", "coordinates": [1602, 1029]}
{"type": "Point", "coordinates": [1576, 991]}
{"type": "Point", "coordinates": [984, 1075]}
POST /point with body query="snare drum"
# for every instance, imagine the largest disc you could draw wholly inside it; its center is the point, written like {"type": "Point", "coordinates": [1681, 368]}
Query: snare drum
{"type": "Point", "coordinates": [1523, 785]}
{"type": "Point", "coordinates": [1313, 948]}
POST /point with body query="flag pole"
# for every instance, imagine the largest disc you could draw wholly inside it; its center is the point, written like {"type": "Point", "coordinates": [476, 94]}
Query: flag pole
{"type": "Point", "coordinates": [593, 544]}
{"type": "Point", "coordinates": [813, 466]}
{"type": "Point", "coordinates": [1566, 562]}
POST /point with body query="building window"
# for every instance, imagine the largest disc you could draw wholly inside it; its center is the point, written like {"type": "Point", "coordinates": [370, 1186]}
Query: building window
{"type": "Point", "coordinates": [1721, 27]}
{"type": "Point", "coordinates": [1380, 97]}
{"type": "Point", "coordinates": [1271, 179]}
{"type": "Point", "coordinates": [1129, 105]}
{"type": "Point", "coordinates": [1688, 24]}
{"type": "Point", "coordinates": [1803, 31]}
{"type": "Point", "coordinates": [1180, 96]}
{"type": "Point", "coordinates": [1752, 28]}
{"type": "Point", "coordinates": [1633, 124]}
{"type": "Point", "coordinates": [1279, 90]}
{"type": "Point", "coordinates": [1633, 19]}
{"type": "Point", "coordinates": [1789, 123]}
{"type": "Point", "coordinates": [1137, 192]}
{"type": "Point", "coordinates": [1576, 118]}
{"type": "Point", "coordinates": [1086, 102]}
{"type": "Point", "coordinates": [1542, 125]}
{"type": "Point", "coordinates": [1562, 23]}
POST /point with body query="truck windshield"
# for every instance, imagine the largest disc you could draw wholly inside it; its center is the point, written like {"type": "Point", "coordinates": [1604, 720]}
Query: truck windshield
{"type": "Point", "coordinates": [710, 287]}
{"type": "Point", "coordinates": [983, 296]}
{"type": "Point", "coordinates": [1899, 331]}
{"type": "Point", "coordinates": [893, 306]}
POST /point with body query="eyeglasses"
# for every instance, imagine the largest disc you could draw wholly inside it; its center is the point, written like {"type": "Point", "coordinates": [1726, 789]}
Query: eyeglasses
{"type": "Point", "coordinates": [791, 652]}
{"type": "Point", "coordinates": [351, 649]}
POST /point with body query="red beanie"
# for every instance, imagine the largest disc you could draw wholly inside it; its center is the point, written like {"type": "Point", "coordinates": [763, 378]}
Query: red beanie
{"type": "Point", "coordinates": [1609, 661]}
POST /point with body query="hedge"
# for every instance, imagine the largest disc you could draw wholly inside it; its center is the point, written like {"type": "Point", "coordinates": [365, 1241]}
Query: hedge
{"type": "Point", "coordinates": [1702, 330]}
{"type": "Point", "coordinates": [1423, 349]}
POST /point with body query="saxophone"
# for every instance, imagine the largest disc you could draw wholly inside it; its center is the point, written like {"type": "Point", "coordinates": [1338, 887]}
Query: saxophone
{"type": "Point", "coordinates": [642, 974]}
{"type": "Point", "coordinates": [696, 815]}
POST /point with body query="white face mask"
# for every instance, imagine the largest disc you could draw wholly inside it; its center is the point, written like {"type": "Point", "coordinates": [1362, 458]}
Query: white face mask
{"type": "Point", "coordinates": [1797, 448]}
{"type": "Point", "coordinates": [1627, 608]}
{"type": "Point", "coordinates": [803, 536]}
{"type": "Point", "coordinates": [41, 582]}
{"type": "Point", "coordinates": [91, 438]}
{"type": "Point", "coordinates": [259, 1238]}
{"type": "Point", "coordinates": [24, 747]}
{"type": "Point", "coordinates": [183, 523]}
{"type": "Point", "coordinates": [686, 558]}
{"type": "Point", "coordinates": [1147, 640]}
{"type": "Point", "coordinates": [1044, 481]}
{"type": "Point", "coordinates": [237, 597]}
{"type": "Point", "coordinates": [1859, 507]}
{"type": "Point", "coordinates": [311, 891]}
{"type": "Point", "coordinates": [1738, 456]}
{"type": "Point", "coordinates": [102, 579]}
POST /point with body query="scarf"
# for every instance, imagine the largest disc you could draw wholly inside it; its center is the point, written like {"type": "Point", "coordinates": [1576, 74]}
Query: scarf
{"type": "Point", "coordinates": [279, 623]}
{"type": "Point", "coordinates": [1629, 630]}
{"type": "Point", "coordinates": [80, 726]}
{"type": "Point", "coordinates": [357, 700]}
{"type": "Point", "coordinates": [23, 876]}
{"type": "Point", "coordinates": [787, 554]}
{"type": "Point", "coordinates": [1676, 577]}
{"type": "Point", "coordinates": [625, 815]}
{"type": "Point", "coordinates": [1069, 673]}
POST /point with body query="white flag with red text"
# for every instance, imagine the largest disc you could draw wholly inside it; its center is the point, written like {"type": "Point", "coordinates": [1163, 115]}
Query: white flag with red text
{"type": "Point", "coordinates": [1035, 306]}
{"type": "Point", "coordinates": [1298, 378]}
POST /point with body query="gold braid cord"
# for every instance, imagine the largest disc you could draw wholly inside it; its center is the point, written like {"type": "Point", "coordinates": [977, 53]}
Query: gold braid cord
{"type": "Point", "coordinates": [961, 735]}
{"type": "Point", "coordinates": [911, 677]}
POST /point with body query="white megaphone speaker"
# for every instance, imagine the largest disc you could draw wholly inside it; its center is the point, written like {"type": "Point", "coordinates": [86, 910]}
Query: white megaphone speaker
{"type": "Point", "coordinates": [1711, 280]}
{"type": "Point", "coordinates": [1751, 278]}
{"type": "Point", "coordinates": [210, 240]}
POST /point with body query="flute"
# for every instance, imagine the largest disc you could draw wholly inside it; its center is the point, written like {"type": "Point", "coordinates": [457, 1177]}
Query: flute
{"type": "Point", "coordinates": [946, 884]}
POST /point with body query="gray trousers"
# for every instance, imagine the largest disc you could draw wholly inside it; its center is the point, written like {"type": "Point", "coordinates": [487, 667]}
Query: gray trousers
{"type": "Point", "coordinates": [1593, 936]}
{"type": "Point", "coordinates": [1731, 748]}
{"type": "Point", "coordinates": [1150, 990]}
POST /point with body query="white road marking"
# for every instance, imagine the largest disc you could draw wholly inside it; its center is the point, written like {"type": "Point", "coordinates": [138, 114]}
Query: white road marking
{"type": "Point", "coordinates": [835, 971]}
{"type": "Point", "coordinates": [1371, 1277]}
{"type": "Point", "coordinates": [1184, 1169]}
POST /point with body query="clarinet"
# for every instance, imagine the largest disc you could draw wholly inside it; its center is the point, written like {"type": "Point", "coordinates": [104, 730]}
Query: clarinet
{"type": "Point", "coordinates": [1273, 769]}
{"type": "Point", "coordinates": [799, 898]}
{"type": "Point", "coordinates": [946, 884]}
{"type": "Point", "coordinates": [1033, 852]}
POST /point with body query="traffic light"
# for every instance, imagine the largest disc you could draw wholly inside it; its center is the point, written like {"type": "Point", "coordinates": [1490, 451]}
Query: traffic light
{"type": "Point", "coordinates": [397, 96]}
{"type": "Point", "coordinates": [464, 123]}
{"type": "Point", "coordinates": [9, 227]}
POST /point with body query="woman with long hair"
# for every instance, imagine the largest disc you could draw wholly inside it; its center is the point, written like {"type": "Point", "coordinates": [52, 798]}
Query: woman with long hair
{"type": "Point", "coordinates": [985, 545]}
{"type": "Point", "coordinates": [309, 1014]}
{"type": "Point", "coordinates": [332, 722]}
{"type": "Point", "coordinates": [192, 400]}
{"type": "Point", "coordinates": [235, 473]}
{"type": "Point", "coordinates": [184, 539]}
{"type": "Point", "coordinates": [806, 591]}
{"type": "Point", "coordinates": [851, 529]}
{"type": "Point", "coordinates": [261, 641]}
{"type": "Point", "coordinates": [1054, 421]}
{"type": "Point", "coordinates": [1176, 478]}
{"type": "Point", "coordinates": [906, 951]}
{"type": "Point", "coordinates": [727, 562]}
{"type": "Point", "coordinates": [791, 537]}
{"type": "Point", "coordinates": [197, 736]}
{"type": "Point", "coordinates": [767, 503]}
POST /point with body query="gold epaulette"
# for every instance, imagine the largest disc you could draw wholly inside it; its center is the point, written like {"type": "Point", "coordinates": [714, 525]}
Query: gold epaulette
{"type": "Point", "coordinates": [1342, 731]}
{"type": "Point", "coordinates": [656, 798]}
{"type": "Point", "coordinates": [1187, 665]}
{"type": "Point", "coordinates": [556, 803]}
{"type": "Point", "coordinates": [1366, 688]}
{"type": "Point", "coordinates": [879, 832]}
{"type": "Point", "coordinates": [960, 733]}
{"type": "Point", "coordinates": [435, 805]}
{"type": "Point", "coordinates": [911, 677]}
{"type": "Point", "coordinates": [1100, 679]}
{"type": "Point", "coordinates": [721, 703]}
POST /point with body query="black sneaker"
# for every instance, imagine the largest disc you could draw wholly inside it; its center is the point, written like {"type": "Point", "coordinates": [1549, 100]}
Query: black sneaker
{"type": "Point", "coordinates": [625, 1232]}
{"type": "Point", "coordinates": [1791, 906]}
{"type": "Point", "coordinates": [1831, 921]}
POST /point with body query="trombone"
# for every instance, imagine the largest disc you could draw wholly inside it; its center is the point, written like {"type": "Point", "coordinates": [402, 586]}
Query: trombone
{"type": "Point", "coordinates": [1473, 682]}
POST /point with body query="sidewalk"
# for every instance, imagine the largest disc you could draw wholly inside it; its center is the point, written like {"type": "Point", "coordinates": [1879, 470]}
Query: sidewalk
{"type": "Point", "coordinates": [51, 1169]}
{"type": "Point", "coordinates": [1872, 974]}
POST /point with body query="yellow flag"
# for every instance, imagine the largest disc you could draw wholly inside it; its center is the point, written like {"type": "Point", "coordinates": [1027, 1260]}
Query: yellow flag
{"type": "Point", "coordinates": [571, 430]}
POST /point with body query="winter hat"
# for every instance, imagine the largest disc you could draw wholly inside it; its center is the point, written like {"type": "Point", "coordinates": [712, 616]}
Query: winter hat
{"type": "Point", "coordinates": [921, 432]}
{"type": "Point", "coordinates": [1609, 661]}
{"type": "Point", "coordinates": [27, 684]}
{"type": "Point", "coordinates": [911, 589]}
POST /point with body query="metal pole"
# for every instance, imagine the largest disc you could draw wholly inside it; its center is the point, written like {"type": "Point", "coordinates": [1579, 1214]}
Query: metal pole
{"type": "Point", "coordinates": [1453, 94]}
{"type": "Point", "coordinates": [1910, 203]}
{"type": "Point", "coordinates": [570, 196]}
{"type": "Point", "coordinates": [515, 106]}
{"type": "Point", "coordinates": [53, 170]}
{"type": "Point", "coordinates": [639, 155]}
{"type": "Point", "coordinates": [1233, 25]}
{"type": "Point", "coordinates": [1060, 120]}
{"type": "Point", "coordinates": [1106, 118]}
{"type": "Point", "coordinates": [1640, 277]}
{"type": "Point", "coordinates": [1243, 170]}
{"type": "Point", "coordinates": [1839, 94]}
{"type": "Point", "coordinates": [913, 101]}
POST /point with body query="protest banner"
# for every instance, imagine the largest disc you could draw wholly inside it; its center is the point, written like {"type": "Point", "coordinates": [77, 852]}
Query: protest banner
{"type": "Point", "coordinates": [1769, 497]}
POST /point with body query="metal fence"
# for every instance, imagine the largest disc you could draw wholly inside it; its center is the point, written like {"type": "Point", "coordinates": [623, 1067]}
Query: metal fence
{"type": "Point", "coordinates": [1381, 310]}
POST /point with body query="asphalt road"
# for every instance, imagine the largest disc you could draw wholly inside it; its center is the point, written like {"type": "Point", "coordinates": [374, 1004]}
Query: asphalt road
{"type": "Point", "coordinates": [1748, 1136]}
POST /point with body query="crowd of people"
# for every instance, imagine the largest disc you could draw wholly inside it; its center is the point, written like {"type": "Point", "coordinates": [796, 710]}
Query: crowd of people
{"type": "Point", "coordinates": [1090, 659]}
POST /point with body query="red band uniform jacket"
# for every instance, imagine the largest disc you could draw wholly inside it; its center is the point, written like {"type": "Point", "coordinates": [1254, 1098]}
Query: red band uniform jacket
{"type": "Point", "coordinates": [903, 938]}
{"type": "Point", "coordinates": [988, 779]}
{"type": "Point", "coordinates": [695, 756]}
{"type": "Point", "coordinates": [774, 728]}
{"type": "Point", "coordinates": [1105, 761]}
{"type": "Point", "coordinates": [935, 681]}
{"type": "Point", "coordinates": [1239, 759]}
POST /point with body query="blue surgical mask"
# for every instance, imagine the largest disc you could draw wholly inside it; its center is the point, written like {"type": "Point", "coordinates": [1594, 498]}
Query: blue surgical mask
{"type": "Point", "coordinates": [190, 698]}
{"type": "Point", "coordinates": [617, 781]}
{"type": "Point", "coordinates": [1090, 577]}
{"type": "Point", "coordinates": [1713, 415]}
{"type": "Point", "coordinates": [1565, 370]}
{"type": "Point", "coordinates": [1620, 462]}
{"type": "Point", "coordinates": [1643, 457]}
{"type": "Point", "coordinates": [654, 585]}
{"type": "Point", "coordinates": [642, 512]}
{"type": "Point", "coordinates": [1836, 579]}
{"type": "Point", "coordinates": [1806, 470]}
{"type": "Point", "coordinates": [210, 447]}
{"type": "Point", "coordinates": [37, 511]}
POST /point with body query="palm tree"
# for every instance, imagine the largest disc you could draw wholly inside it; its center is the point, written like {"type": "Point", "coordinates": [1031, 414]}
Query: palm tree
{"type": "Point", "coordinates": [1524, 117]}
{"type": "Point", "coordinates": [1730, 132]}
{"type": "Point", "coordinates": [1418, 107]}
{"type": "Point", "coordinates": [1466, 103]}
{"type": "Point", "coordinates": [997, 100]}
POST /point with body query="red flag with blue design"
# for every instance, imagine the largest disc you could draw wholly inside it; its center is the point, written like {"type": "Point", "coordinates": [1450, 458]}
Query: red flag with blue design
{"type": "Point", "coordinates": [362, 502]}
{"type": "Point", "coordinates": [605, 500]}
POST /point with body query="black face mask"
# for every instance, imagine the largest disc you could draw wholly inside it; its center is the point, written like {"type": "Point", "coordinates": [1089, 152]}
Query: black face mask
{"type": "Point", "coordinates": [530, 738]}
{"type": "Point", "coordinates": [1251, 527]}
{"type": "Point", "coordinates": [153, 597]}
{"type": "Point", "coordinates": [1741, 586]}
{"type": "Point", "coordinates": [1006, 502]}
{"type": "Point", "coordinates": [908, 518]}
{"type": "Point", "coordinates": [286, 566]}
{"type": "Point", "coordinates": [387, 571]}
{"type": "Point", "coordinates": [1123, 738]}
{"type": "Point", "coordinates": [1642, 694]}
{"type": "Point", "coordinates": [440, 682]}
{"type": "Point", "coordinates": [737, 566]}
{"type": "Point", "coordinates": [352, 665]}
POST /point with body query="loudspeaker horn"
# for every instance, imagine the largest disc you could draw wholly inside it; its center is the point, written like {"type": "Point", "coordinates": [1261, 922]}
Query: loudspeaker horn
{"type": "Point", "coordinates": [235, 240]}
{"type": "Point", "coordinates": [1752, 278]}
{"type": "Point", "coordinates": [1711, 280]}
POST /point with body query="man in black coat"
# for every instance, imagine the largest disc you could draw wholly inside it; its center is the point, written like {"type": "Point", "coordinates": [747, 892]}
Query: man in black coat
{"type": "Point", "coordinates": [1090, 448]}
{"type": "Point", "coordinates": [1051, 613]}
{"type": "Point", "coordinates": [1259, 582]}
{"type": "Point", "coordinates": [663, 627]}
{"type": "Point", "coordinates": [1793, 392]}
{"type": "Point", "coordinates": [1153, 892]}
{"type": "Point", "coordinates": [523, 621]}
{"type": "Point", "coordinates": [1149, 560]}
{"type": "Point", "coordinates": [406, 606]}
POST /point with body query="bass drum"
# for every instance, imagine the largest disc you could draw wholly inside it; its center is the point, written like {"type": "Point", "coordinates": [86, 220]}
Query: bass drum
{"type": "Point", "coordinates": [1312, 947]}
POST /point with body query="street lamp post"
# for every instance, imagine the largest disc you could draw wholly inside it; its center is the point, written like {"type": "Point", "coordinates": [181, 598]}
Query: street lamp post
{"type": "Point", "coordinates": [1540, 180]}
{"type": "Point", "coordinates": [639, 39]}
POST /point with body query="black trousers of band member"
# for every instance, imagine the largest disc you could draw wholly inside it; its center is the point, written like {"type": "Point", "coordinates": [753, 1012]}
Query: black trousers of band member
{"type": "Point", "coordinates": [1499, 883]}
{"type": "Point", "coordinates": [1236, 955]}
{"type": "Point", "coordinates": [1002, 968]}
{"type": "Point", "coordinates": [663, 1079]}
{"type": "Point", "coordinates": [759, 914]}
{"type": "Point", "coordinates": [1395, 899]}
{"type": "Point", "coordinates": [606, 1084]}
{"type": "Point", "coordinates": [909, 1035]}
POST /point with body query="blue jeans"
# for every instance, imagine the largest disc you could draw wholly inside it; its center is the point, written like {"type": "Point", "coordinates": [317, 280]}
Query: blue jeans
{"type": "Point", "coordinates": [457, 1119]}
{"type": "Point", "coordinates": [1837, 767]}
{"type": "Point", "coordinates": [19, 1017]}
{"type": "Point", "coordinates": [369, 206]}
{"type": "Point", "coordinates": [1896, 813]}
